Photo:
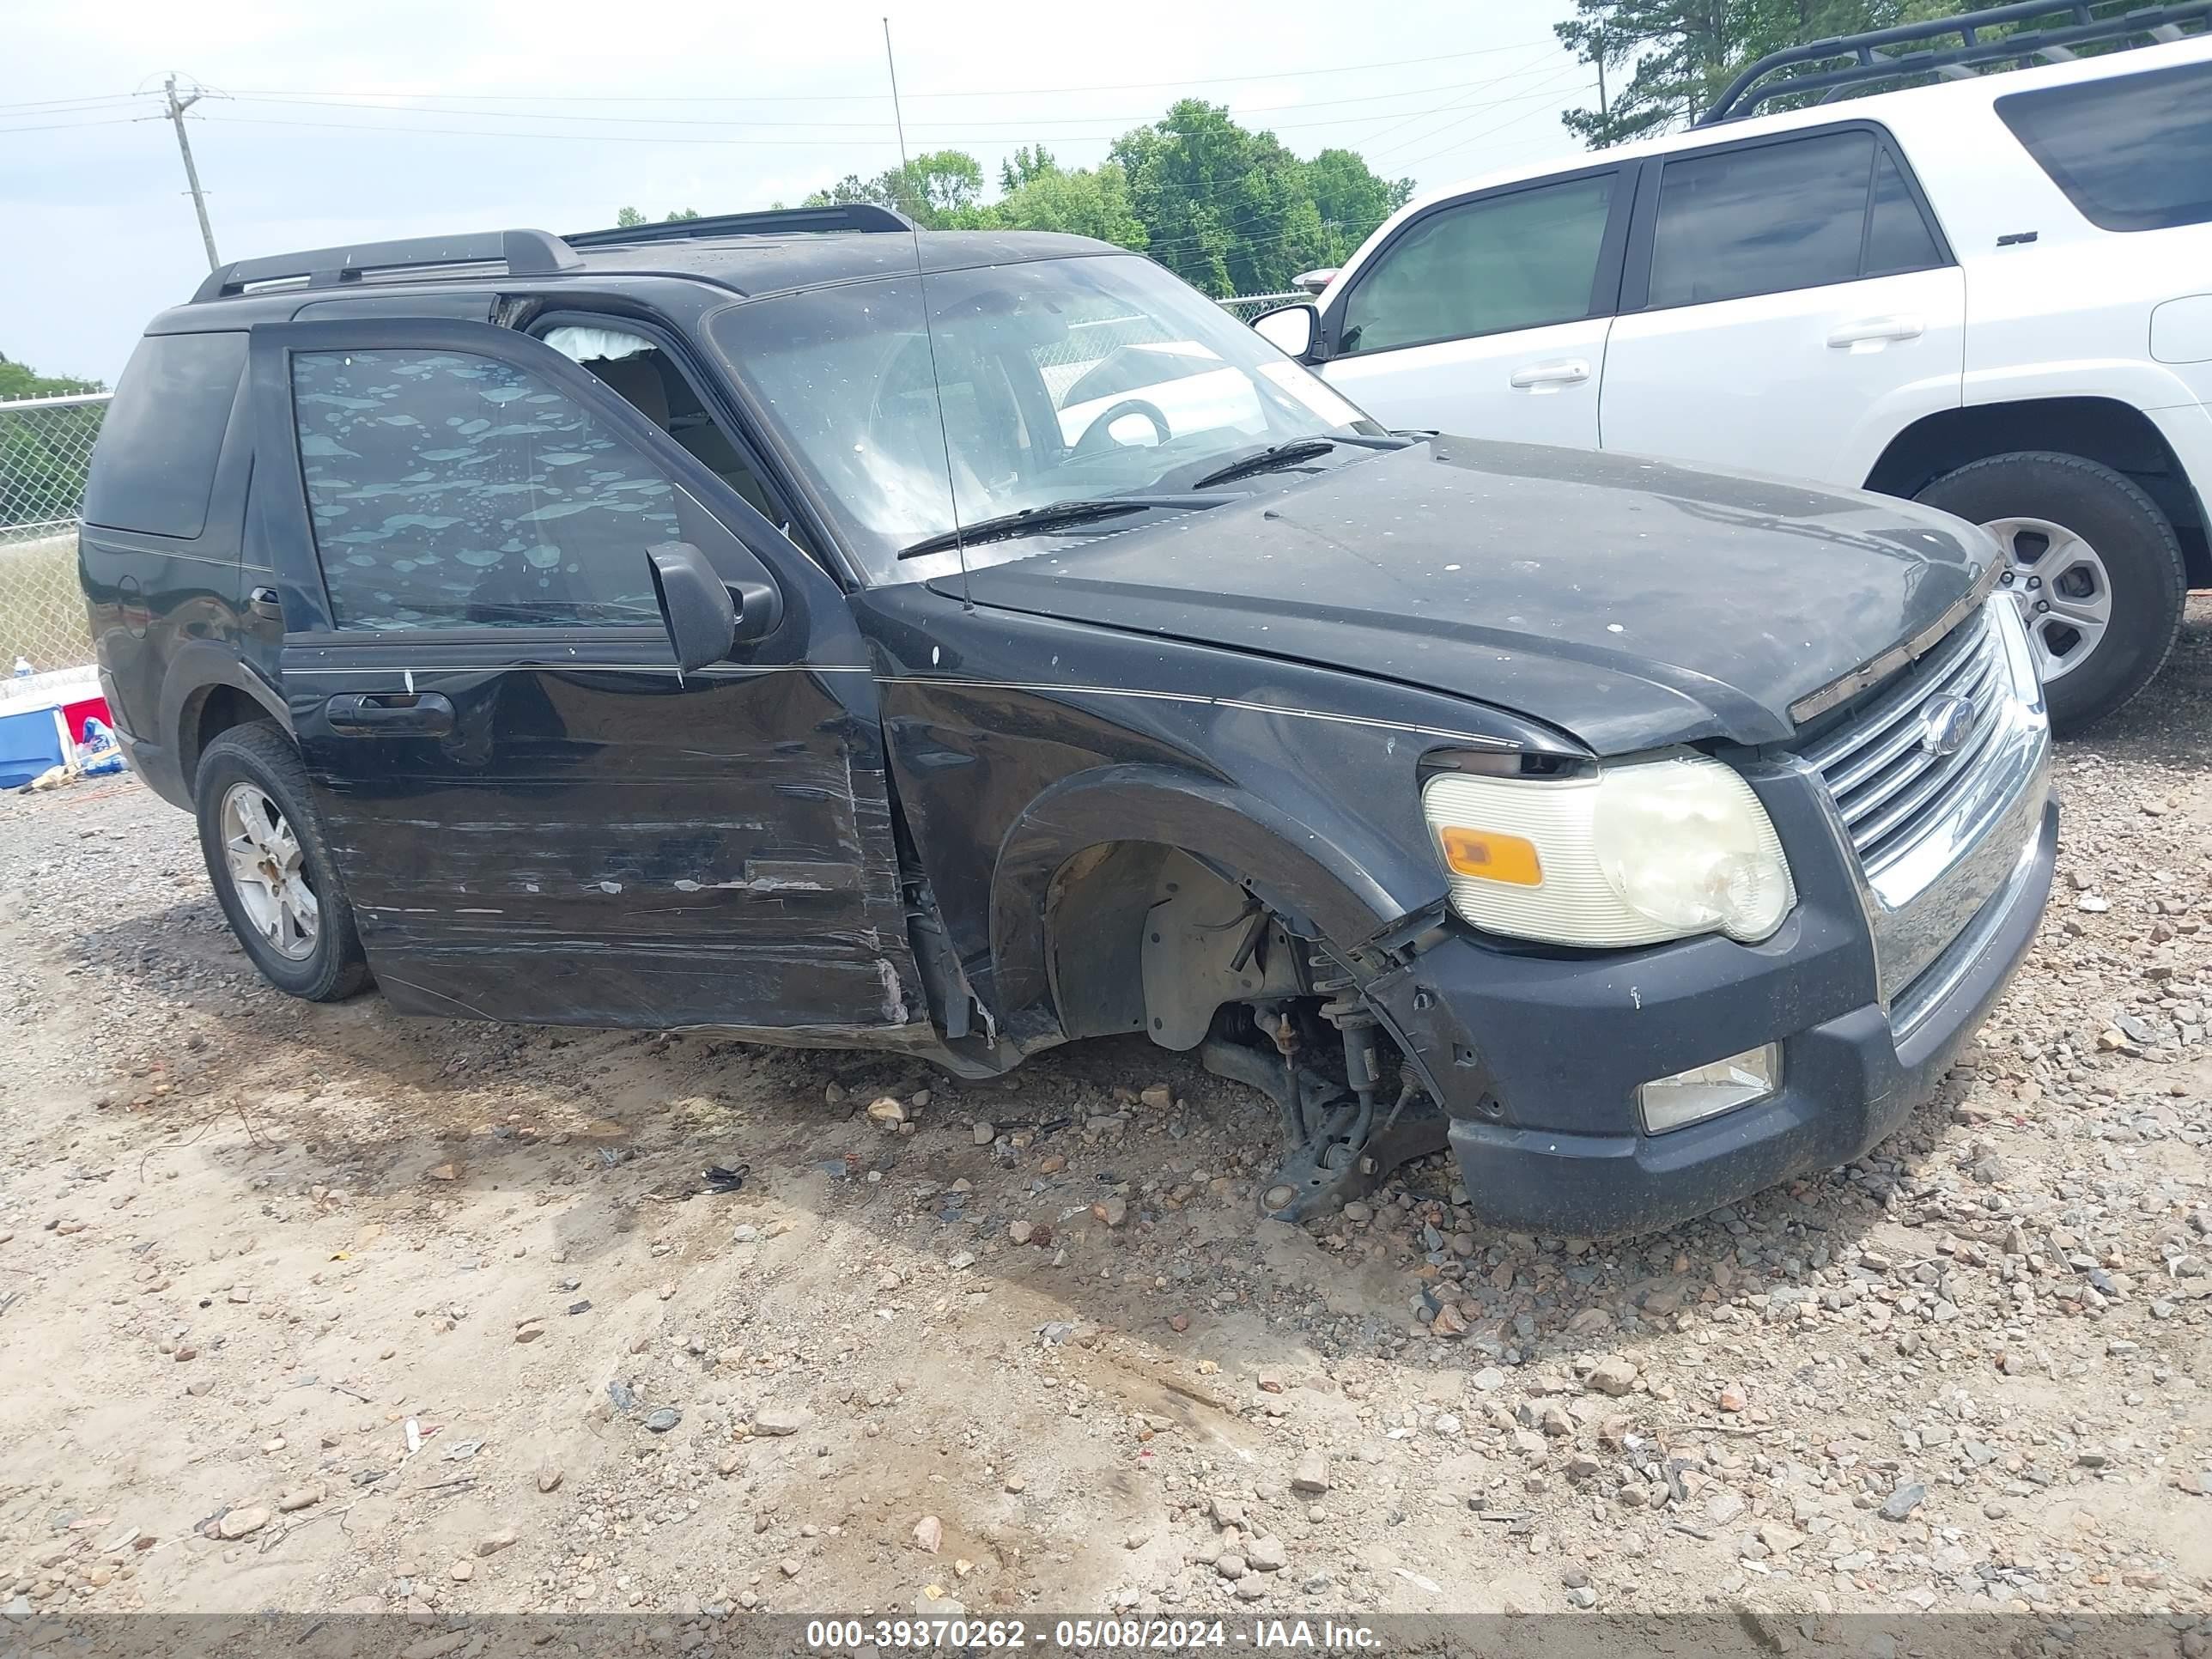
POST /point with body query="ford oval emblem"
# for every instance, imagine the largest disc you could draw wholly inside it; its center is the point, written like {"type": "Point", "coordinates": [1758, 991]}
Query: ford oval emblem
{"type": "Point", "coordinates": [1945, 721]}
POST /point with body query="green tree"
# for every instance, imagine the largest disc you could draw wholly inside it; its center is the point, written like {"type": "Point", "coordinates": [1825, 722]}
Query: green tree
{"type": "Point", "coordinates": [1230, 210]}
{"type": "Point", "coordinates": [1085, 202]}
{"type": "Point", "coordinates": [628, 218]}
{"type": "Point", "coordinates": [1352, 200]}
{"type": "Point", "coordinates": [21, 380]}
{"type": "Point", "coordinates": [935, 190]}
{"type": "Point", "coordinates": [1667, 61]}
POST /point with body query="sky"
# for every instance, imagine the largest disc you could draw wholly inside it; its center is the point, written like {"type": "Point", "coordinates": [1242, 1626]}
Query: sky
{"type": "Point", "coordinates": [326, 124]}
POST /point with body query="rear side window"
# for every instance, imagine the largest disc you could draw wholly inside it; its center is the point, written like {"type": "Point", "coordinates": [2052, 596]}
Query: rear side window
{"type": "Point", "coordinates": [2132, 152]}
{"type": "Point", "coordinates": [1520, 260]}
{"type": "Point", "coordinates": [452, 490]}
{"type": "Point", "coordinates": [154, 468]}
{"type": "Point", "coordinates": [1768, 218]}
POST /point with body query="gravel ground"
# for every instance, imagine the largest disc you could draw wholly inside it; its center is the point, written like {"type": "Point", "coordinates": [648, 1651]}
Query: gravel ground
{"type": "Point", "coordinates": [314, 1307]}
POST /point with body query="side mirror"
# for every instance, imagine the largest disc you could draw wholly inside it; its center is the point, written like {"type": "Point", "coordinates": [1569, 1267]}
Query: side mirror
{"type": "Point", "coordinates": [699, 610]}
{"type": "Point", "coordinates": [1313, 281]}
{"type": "Point", "coordinates": [1293, 328]}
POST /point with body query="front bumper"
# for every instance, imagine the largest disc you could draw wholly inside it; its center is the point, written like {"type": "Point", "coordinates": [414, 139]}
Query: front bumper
{"type": "Point", "coordinates": [1871, 986]}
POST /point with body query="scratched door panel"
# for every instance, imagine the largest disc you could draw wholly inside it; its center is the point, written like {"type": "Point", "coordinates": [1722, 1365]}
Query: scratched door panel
{"type": "Point", "coordinates": [614, 848]}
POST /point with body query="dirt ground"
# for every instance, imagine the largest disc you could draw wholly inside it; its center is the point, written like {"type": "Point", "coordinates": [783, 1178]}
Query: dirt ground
{"type": "Point", "coordinates": [314, 1308]}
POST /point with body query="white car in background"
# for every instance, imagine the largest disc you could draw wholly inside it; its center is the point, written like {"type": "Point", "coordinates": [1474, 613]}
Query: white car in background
{"type": "Point", "coordinates": [1992, 293]}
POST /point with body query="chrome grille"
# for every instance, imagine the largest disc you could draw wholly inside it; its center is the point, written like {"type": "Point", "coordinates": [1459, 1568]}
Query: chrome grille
{"type": "Point", "coordinates": [1888, 787]}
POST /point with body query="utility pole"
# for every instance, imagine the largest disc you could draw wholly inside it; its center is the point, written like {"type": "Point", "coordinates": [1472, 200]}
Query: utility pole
{"type": "Point", "coordinates": [176, 106]}
{"type": "Point", "coordinates": [1597, 43]}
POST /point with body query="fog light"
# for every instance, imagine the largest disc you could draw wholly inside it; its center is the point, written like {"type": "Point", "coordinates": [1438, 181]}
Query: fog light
{"type": "Point", "coordinates": [1704, 1091]}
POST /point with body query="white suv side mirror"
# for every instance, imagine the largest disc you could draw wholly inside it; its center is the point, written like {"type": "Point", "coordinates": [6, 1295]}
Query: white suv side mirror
{"type": "Point", "coordinates": [1293, 329]}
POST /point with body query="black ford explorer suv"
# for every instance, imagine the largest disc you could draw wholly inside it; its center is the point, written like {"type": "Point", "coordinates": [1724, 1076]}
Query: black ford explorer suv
{"type": "Point", "coordinates": [792, 627]}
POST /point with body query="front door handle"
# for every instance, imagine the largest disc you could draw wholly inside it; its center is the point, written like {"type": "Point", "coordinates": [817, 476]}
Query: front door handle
{"type": "Point", "coordinates": [262, 602]}
{"type": "Point", "coordinates": [362, 714]}
{"type": "Point", "coordinates": [1876, 331]}
{"type": "Point", "coordinates": [1572, 371]}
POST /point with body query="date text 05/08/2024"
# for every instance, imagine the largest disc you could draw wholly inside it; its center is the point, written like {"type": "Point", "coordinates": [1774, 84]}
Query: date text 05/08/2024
{"type": "Point", "coordinates": [1088, 1635]}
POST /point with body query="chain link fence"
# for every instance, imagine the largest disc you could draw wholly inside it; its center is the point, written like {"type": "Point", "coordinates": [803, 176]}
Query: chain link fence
{"type": "Point", "coordinates": [1245, 307]}
{"type": "Point", "coordinates": [45, 444]}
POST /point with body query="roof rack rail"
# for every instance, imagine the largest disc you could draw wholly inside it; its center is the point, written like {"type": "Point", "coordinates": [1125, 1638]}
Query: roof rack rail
{"type": "Point", "coordinates": [524, 252]}
{"type": "Point", "coordinates": [1872, 62]}
{"type": "Point", "coordinates": [843, 215]}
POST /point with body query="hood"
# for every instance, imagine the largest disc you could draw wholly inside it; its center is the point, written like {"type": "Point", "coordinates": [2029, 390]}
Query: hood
{"type": "Point", "coordinates": [1631, 602]}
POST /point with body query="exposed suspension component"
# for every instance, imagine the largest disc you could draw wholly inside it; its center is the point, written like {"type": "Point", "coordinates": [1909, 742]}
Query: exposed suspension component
{"type": "Point", "coordinates": [1343, 1008]}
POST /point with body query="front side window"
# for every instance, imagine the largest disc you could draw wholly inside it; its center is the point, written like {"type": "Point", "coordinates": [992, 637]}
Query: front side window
{"type": "Point", "coordinates": [1769, 218]}
{"type": "Point", "coordinates": [1032, 384]}
{"type": "Point", "coordinates": [1504, 262]}
{"type": "Point", "coordinates": [453, 490]}
{"type": "Point", "coordinates": [2132, 152]}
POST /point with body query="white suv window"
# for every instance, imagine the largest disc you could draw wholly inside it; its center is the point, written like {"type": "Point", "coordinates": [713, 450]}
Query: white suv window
{"type": "Point", "coordinates": [1518, 260]}
{"type": "Point", "coordinates": [1769, 218]}
{"type": "Point", "coordinates": [2133, 152]}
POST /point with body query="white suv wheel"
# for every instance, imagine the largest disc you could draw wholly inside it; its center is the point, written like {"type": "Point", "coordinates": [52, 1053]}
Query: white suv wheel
{"type": "Point", "coordinates": [2060, 584]}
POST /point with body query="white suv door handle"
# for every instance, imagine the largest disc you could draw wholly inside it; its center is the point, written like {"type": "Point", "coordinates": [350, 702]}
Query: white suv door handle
{"type": "Point", "coordinates": [1572, 371]}
{"type": "Point", "coordinates": [1868, 330]}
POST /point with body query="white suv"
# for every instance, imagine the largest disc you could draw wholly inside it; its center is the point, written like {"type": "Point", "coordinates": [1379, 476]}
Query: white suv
{"type": "Point", "coordinates": [1992, 293]}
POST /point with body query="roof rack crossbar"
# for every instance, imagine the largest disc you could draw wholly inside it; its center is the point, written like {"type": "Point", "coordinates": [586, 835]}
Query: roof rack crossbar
{"type": "Point", "coordinates": [524, 252]}
{"type": "Point", "coordinates": [842, 216]}
{"type": "Point", "coordinates": [1871, 63]}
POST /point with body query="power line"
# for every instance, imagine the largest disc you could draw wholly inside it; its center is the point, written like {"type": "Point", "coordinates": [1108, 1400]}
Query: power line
{"type": "Point", "coordinates": [846, 97]}
{"type": "Point", "coordinates": [72, 127]}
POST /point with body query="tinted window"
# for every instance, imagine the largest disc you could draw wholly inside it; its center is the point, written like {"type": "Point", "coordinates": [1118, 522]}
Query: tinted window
{"type": "Point", "coordinates": [2133, 152]}
{"type": "Point", "coordinates": [1897, 237]}
{"type": "Point", "coordinates": [454, 490]}
{"type": "Point", "coordinates": [1504, 262]}
{"type": "Point", "coordinates": [1773, 217]}
{"type": "Point", "coordinates": [154, 465]}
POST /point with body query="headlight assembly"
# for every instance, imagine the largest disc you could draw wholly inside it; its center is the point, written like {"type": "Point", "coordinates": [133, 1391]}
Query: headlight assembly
{"type": "Point", "coordinates": [1635, 854]}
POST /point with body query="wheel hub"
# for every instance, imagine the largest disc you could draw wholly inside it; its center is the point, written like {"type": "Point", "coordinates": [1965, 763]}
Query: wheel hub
{"type": "Point", "coordinates": [2060, 586]}
{"type": "Point", "coordinates": [268, 872]}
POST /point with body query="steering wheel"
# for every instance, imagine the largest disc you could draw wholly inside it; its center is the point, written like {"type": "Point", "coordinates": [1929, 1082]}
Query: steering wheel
{"type": "Point", "coordinates": [1099, 433]}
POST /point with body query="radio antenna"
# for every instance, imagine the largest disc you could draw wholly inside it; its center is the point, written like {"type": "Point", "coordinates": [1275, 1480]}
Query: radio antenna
{"type": "Point", "coordinates": [928, 330]}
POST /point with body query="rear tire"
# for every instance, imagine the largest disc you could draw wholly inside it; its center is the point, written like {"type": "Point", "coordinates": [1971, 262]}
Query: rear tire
{"type": "Point", "coordinates": [2123, 564]}
{"type": "Point", "coordinates": [272, 870]}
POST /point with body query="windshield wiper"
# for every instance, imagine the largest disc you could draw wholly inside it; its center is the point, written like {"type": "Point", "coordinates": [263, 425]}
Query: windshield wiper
{"type": "Point", "coordinates": [1264, 460]}
{"type": "Point", "coordinates": [1053, 515]}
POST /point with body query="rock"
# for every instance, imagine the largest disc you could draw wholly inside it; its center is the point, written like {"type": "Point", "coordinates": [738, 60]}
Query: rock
{"type": "Point", "coordinates": [929, 1534]}
{"type": "Point", "coordinates": [1732, 1398]}
{"type": "Point", "coordinates": [462, 1572]}
{"type": "Point", "coordinates": [662, 1419]}
{"type": "Point", "coordinates": [1312, 1474]}
{"type": "Point", "coordinates": [301, 1497]}
{"type": "Point", "coordinates": [1488, 1380]}
{"type": "Point", "coordinates": [1449, 1321]}
{"type": "Point", "coordinates": [1160, 1096]}
{"type": "Point", "coordinates": [1229, 1566]}
{"type": "Point", "coordinates": [1020, 1231]}
{"type": "Point", "coordinates": [1016, 1485]}
{"type": "Point", "coordinates": [1581, 1595]}
{"type": "Point", "coordinates": [961, 1261]}
{"type": "Point", "coordinates": [1902, 1502]}
{"type": "Point", "coordinates": [529, 1332]}
{"type": "Point", "coordinates": [887, 1111]}
{"type": "Point", "coordinates": [492, 1542]}
{"type": "Point", "coordinates": [1111, 1211]}
{"type": "Point", "coordinates": [985, 1135]}
{"type": "Point", "coordinates": [788, 1567]}
{"type": "Point", "coordinates": [2092, 903]}
{"type": "Point", "coordinates": [1614, 1374]}
{"type": "Point", "coordinates": [548, 1478]}
{"type": "Point", "coordinates": [779, 1420]}
{"type": "Point", "coordinates": [1267, 1554]}
{"type": "Point", "coordinates": [238, 1523]}
{"type": "Point", "coordinates": [1723, 1507]}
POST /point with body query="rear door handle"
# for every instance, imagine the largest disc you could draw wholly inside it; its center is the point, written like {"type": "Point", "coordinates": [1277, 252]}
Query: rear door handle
{"type": "Point", "coordinates": [1572, 371]}
{"type": "Point", "coordinates": [264, 602]}
{"type": "Point", "coordinates": [361, 714]}
{"type": "Point", "coordinates": [1873, 331]}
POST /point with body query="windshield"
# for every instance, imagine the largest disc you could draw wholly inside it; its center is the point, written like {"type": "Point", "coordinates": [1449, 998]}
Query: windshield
{"type": "Point", "coordinates": [1059, 381]}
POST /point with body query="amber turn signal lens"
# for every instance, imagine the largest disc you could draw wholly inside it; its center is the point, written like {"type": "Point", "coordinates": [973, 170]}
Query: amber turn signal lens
{"type": "Point", "coordinates": [1489, 856]}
